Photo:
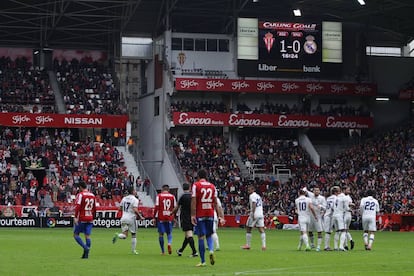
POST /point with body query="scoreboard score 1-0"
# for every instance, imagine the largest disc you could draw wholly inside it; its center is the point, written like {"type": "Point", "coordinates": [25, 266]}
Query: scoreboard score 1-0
{"type": "Point", "coordinates": [289, 47]}
{"type": "Point", "coordinates": [282, 49]}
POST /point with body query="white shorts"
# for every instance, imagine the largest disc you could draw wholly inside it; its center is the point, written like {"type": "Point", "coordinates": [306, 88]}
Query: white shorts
{"type": "Point", "coordinates": [315, 225]}
{"type": "Point", "coordinates": [304, 224]}
{"type": "Point", "coordinates": [369, 224]}
{"type": "Point", "coordinates": [258, 222]}
{"type": "Point", "coordinates": [129, 225]}
{"type": "Point", "coordinates": [347, 219]}
{"type": "Point", "coordinates": [327, 224]}
{"type": "Point", "coordinates": [338, 222]}
{"type": "Point", "coordinates": [215, 226]}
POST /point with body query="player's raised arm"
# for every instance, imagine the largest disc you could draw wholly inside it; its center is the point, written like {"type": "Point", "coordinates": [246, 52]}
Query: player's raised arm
{"type": "Point", "coordinates": [308, 193]}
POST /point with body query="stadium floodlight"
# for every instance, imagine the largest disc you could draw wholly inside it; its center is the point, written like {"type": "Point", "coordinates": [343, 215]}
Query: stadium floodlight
{"type": "Point", "coordinates": [361, 2]}
{"type": "Point", "coordinates": [382, 99]}
{"type": "Point", "coordinates": [297, 12]}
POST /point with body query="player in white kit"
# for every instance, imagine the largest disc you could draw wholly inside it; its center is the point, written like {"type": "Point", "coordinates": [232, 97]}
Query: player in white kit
{"type": "Point", "coordinates": [369, 208]}
{"type": "Point", "coordinates": [256, 218]}
{"type": "Point", "coordinates": [304, 209]}
{"type": "Point", "coordinates": [348, 218]}
{"type": "Point", "coordinates": [319, 205]}
{"type": "Point", "coordinates": [129, 208]}
{"type": "Point", "coordinates": [214, 236]}
{"type": "Point", "coordinates": [327, 218]}
{"type": "Point", "coordinates": [340, 207]}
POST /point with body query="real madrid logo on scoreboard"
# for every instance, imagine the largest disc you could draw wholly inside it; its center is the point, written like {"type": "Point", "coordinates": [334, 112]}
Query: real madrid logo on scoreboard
{"type": "Point", "coordinates": [310, 45]}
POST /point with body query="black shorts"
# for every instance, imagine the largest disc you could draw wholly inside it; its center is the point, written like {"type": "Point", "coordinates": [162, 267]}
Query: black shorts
{"type": "Point", "coordinates": [186, 225]}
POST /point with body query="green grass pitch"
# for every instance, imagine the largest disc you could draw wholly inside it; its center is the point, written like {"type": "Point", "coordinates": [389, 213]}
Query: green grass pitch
{"type": "Point", "coordinates": [54, 252]}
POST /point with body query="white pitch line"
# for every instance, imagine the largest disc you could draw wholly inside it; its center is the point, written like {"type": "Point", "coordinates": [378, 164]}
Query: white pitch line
{"type": "Point", "coordinates": [283, 271]}
{"type": "Point", "coordinates": [302, 271]}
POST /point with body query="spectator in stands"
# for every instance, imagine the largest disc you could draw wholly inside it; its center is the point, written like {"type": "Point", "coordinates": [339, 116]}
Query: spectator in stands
{"type": "Point", "coordinates": [387, 226]}
{"type": "Point", "coordinates": [32, 213]}
{"type": "Point", "coordinates": [32, 193]}
{"type": "Point", "coordinates": [146, 185]}
{"type": "Point", "coordinates": [138, 184]}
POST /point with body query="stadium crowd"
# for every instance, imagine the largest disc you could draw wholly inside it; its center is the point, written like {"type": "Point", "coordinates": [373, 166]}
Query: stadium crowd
{"type": "Point", "coordinates": [198, 106]}
{"type": "Point", "coordinates": [87, 87]}
{"type": "Point", "coordinates": [268, 108]}
{"type": "Point", "coordinates": [266, 150]}
{"type": "Point", "coordinates": [43, 166]}
{"type": "Point", "coordinates": [24, 88]}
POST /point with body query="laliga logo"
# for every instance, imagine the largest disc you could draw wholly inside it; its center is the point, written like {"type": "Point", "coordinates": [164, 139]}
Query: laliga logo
{"type": "Point", "coordinates": [18, 119]}
{"type": "Point", "coordinates": [51, 222]}
{"type": "Point", "coordinates": [237, 85]}
{"type": "Point", "coordinates": [188, 83]}
{"type": "Point", "coordinates": [263, 86]}
{"type": "Point", "coordinates": [288, 87]}
{"type": "Point", "coordinates": [41, 120]}
{"type": "Point", "coordinates": [214, 84]}
{"type": "Point", "coordinates": [311, 87]}
{"type": "Point", "coordinates": [338, 88]}
{"type": "Point", "coordinates": [362, 89]}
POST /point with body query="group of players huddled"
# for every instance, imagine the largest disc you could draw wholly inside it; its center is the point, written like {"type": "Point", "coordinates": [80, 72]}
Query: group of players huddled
{"type": "Point", "coordinates": [333, 213]}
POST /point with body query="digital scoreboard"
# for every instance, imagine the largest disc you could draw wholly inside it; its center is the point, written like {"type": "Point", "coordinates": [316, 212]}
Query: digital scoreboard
{"type": "Point", "coordinates": [289, 47]}
{"type": "Point", "coordinates": [284, 49]}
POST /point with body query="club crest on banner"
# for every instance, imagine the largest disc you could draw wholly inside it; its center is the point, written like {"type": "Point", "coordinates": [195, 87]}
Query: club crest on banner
{"type": "Point", "coordinates": [181, 59]}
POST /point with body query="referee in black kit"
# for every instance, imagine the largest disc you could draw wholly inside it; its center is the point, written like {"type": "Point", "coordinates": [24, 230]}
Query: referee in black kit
{"type": "Point", "coordinates": [184, 205]}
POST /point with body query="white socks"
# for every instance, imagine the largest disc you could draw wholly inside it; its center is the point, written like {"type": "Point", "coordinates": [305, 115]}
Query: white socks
{"type": "Point", "coordinates": [133, 243]}
{"type": "Point", "coordinates": [263, 238]}
{"type": "Point", "coordinates": [248, 238]}
{"type": "Point", "coordinates": [215, 238]}
{"type": "Point", "coordinates": [327, 239]}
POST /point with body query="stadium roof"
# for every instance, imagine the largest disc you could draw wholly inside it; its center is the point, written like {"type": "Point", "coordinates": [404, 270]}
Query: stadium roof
{"type": "Point", "coordinates": [98, 24]}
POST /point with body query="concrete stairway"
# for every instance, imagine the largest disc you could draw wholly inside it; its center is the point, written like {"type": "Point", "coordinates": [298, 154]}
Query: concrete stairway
{"type": "Point", "coordinates": [132, 167]}
{"type": "Point", "coordinates": [244, 172]}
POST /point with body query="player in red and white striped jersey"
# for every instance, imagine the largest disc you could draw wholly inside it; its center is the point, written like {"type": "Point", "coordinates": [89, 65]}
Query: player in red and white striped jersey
{"type": "Point", "coordinates": [85, 211]}
{"type": "Point", "coordinates": [165, 203]}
